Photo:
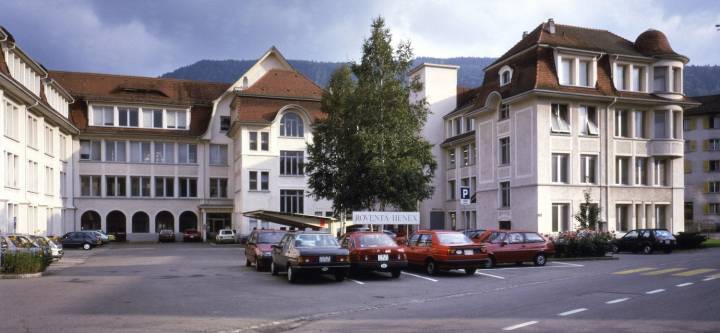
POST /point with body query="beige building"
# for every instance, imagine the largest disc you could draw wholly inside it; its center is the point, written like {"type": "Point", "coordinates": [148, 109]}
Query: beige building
{"type": "Point", "coordinates": [702, 165]}
{"type": "Point", "coordinates": [568, 110]}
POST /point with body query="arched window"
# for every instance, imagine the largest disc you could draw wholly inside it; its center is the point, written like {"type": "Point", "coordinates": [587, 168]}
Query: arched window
{"type": "Point", "coordinates": [90, 220]}
{"type": "Point", "coordinates": [291, 125]}
{"type": "Point", "coordinates": [164, 220]}
{"type": "Point", "coordinates": [140, 223]}
{"type": "Point", "coordinates": [188, 220]}
{"type": "Point", "coordinates": [506, 73]}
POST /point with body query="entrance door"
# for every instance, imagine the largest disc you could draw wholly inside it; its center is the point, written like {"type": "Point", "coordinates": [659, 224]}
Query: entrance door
{"type": "Point", "coordinates": [217, 222]}
{"type": "Point", "coordinates": [437, 220]}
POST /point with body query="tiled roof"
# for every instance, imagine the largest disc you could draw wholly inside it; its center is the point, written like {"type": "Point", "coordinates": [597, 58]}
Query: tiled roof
{"type": "Point", "coordinates": [252, 109]}
{"type": "Point", "coordinates": [284, 83]}
{"type": "Point", "coordinates": [709, 105]}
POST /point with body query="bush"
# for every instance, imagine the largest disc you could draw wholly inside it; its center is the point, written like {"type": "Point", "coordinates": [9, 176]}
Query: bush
{"type": "Point", "coordinates": [24, 263]}
{"type": "Point", "coordinates": [583, 243]}
{"type": "Point", "coordinates": [690, 240]}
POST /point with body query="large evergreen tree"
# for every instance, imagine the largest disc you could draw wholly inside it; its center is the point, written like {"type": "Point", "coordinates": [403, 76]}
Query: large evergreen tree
{"type": "Point", "coordinates": [367, 153]}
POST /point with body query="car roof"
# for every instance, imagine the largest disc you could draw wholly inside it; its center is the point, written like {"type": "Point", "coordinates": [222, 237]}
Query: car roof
{"type": "Point", "coordinates": [269, 230]}
{"type": "Point", "coordinates": [313, 232]}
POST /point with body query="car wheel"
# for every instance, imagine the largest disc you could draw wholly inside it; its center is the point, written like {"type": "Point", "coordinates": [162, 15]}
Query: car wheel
{"type": "Point", "coordinates": [431, 268]}
{"type": "Point", "coordinates": [86, 246]}
{"type": "Point", "coordinates": [647, 249]}
{"type": "Point", "coordinates": [470, 271]}
{"type": "Point", "coordinates": [614, 248]}
{"type": "Point", "coordinates": [273, 269]}
{"type": "Point", "coordinates": [490, 263]}
{"type": "Point", "coordinates": [540, 259]}
{"type": "Point", "coordinates": [340, 276]}
{"type": "Point", "coordinates": [291, 275]}
{"type": "Point", "coordinates": [395, 273]}
{"type": "Point", "coordinates": [247, 262]}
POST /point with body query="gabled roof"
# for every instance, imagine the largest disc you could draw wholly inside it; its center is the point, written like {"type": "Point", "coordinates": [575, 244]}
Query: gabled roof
{"type": "Point", "coordinates": [284, 83]}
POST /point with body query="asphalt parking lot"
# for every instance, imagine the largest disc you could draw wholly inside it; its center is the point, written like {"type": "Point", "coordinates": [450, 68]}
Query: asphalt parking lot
{"type": "Point", "coordinates": [203, 288]}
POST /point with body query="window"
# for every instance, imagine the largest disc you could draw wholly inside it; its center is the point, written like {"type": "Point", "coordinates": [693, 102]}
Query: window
{"type": "Point", "coordinates": [560, 118]}
{"type": "Point", "coordinates": [164, 187]}
{"type": "Point", "coordinates": [89, 150]}
{"type": "Point", "coordinates": [621, 123]}
{"type": "Point", "coordinates": [640, 124]}
{"type": "Point", "coordinates": [688, 124]}
{"type": "Point", "coordinates": [152, 118]}
{"type": "Point", "coordinates": [661, 178]}
{"type": "Point", "coordinates": [676, 124]}
{"type": "Point", "coordinates": [218, 154]}
{"type": "Point", "coordinates": [504, 112]}
{"type": "Point", "coordinates": [12, 170]}
{"type": "Point", "coordinates": [176, 119]}
{"type": "Point", "coordinates": [49, 180]}
{"type": "Point", "coordinates": [712, 187]}
{"type": "Point", "coordinates": [32, 176]}
{"type": "Point", "coordinates": [505, 75]}
{"type": "Point", "coordinates": [451, 158]}
{"type": "Point", "coordinates": [253, 141]}
{"type": "Point", "coordinates": [63, 184]}
{"type": "Point", "coordinates": [504, 194]}
{"type": "Point", "coordinates": [711, 145]}
{"type": "Point", "coordinates": [188, 187]}
{"type": "Point", "coordinates": [164, 152]}
{"type": "Point", "coordinates": [140, 152]}
{"type": "Point", "coordinates": [566, 71]}
{"type": "Point", "coordinates": [264, 180]}
{"type": "Point", "coordinates": [622, 217]}
{"type": "Point", "coordinates": [224, 123]}
{"type": "Point", "coordinates": [638, 78]}
{"type": "Point", "coordinates": [621, 77]}
{"type": "Point", "coordinates": [90, 186]}
{"type": "Point", "coordinates": [451, 190]}
{"type": "Point", "coordinates": [504, 151]}
{"type": "Point", "coordinates": [622, 170]}
{"type": "Point", "coordinates": [63, 147]}
{"type": "Point", "coordinates": [661, 216]}
{"type": "Point", "coordinates": [466, 155]}
{"type": "Point", "coordinates": [677, 79]}
{"type": "Point", "coordinates": [139, 186]}
{"type": "Point", "coordinates": [560, 217]}
{"type": "Point", "coordinates": [264, 141]}
{"type": "Point", "coordinates": [469, 124]}
{"type": "Point", "coordinates": [588, 169]}
{"type": "Point", "coordinates": [711, 122]}
{"type": "Point", "coordinates": [218, 187]}
{"type": "Point", "coordinates": [12, 119]}
{"type": "Point", "coordinates": [115, 186]}
{"type": "Point", "coordinates": [712, 166]}
{"type": "Point", "coordinates": [584, 73]}
{"type": "Point", "coordinates": [712, 209]}
{"type": "Point", "coordinates": [641, 171]}
{"type": "Point", "coordinates": [560, 168]}
{"type": "Point", "coordinates": [660, 78]}
{"type": "Point", "coordinates": [49, 144]}
{"type": "Point", "coordinates": [187, 153]}
{"type": "Point", "coordinates": [115, 151]}
{"type": "Point", "coordinates": [291, 125]}
{"type": "Point", "coordinates": [32, 132]}
{"type": "Point", "coordinates": [588, 120]}
{"type": "Point", "coordinates": [128, 117]}
{"type": "Point", "coordinates": [103, 116]}
{"type": "Point", "coordinates": [660, 121]}
{"type": "Point", "coordinates": [458, 125]}
{"type": "Point", "coordinates": [291, 163]}
{"type": "Point", "coordinates": [291, 201]}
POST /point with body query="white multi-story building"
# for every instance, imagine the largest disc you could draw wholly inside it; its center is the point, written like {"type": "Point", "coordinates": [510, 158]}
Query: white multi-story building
{"type": "Point", "coordinates": [702, 165]}
{"type": "Point", "coordinates": [564, 111]}
{"type": "Point", "coordinates": [36, 141]}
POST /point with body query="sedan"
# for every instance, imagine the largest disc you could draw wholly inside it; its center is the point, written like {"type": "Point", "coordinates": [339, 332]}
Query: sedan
{"type": "Point", "coordinates": [438, 250]}
{"type": "Point", "coordinates": [192, 235]}
{"type": "Point", "coordinates": [645, 241]}
{"type": "Point", "coordinates": [258, 250]}
{"type": "Point", "coordinates": [86, 240]}
{"type": "Point", "coordinates": [374, 251]}
{"type": "Point", "coordinates": [166, 235]}
{"type": "Point", "coordinates": [506, 246]}
{"type": "Point", "coordinates": [309, 252]}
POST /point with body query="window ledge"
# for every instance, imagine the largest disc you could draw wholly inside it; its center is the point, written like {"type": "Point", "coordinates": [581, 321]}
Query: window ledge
{"type": "Point", "coordinates": [259, 191]}
{"type": "Point", "coordinates": [11, 138]}
{"type": "Point", "coordinates": [560, 133]}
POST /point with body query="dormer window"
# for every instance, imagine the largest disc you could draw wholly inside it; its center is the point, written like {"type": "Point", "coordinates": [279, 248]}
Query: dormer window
{"type": "Point", "coordinates": [505, 75]}
{"type": "Point", "coordinates": [566, 72]}
{"type": "Point", "coordinates": [621, 77]}
{"type": "Point", "coordinates": [576, 70]}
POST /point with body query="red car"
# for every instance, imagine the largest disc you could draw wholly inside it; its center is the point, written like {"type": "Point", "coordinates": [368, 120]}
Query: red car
{"type": "Point", "coordinates": [374, 251]}
{"type": "Point", "coordinates": [166, 235]}
{"type": "Point", "coordinates": [258, 249]}
{"type": "Point", "coordinates": [510, 246]}
{"type": "Point", "coordinates": [438, 250]}
{"type": "Point", "coordinates": [192, 235]}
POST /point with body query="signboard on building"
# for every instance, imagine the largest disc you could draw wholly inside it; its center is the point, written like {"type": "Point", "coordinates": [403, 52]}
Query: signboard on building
{"type": "Point", "coordinates": [404, 218]}
{"type": "Point", "coordinates": [464, 195]}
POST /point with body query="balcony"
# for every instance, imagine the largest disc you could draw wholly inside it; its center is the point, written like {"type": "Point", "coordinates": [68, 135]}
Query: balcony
{"type": "Point", "coordinates": [666, 148]}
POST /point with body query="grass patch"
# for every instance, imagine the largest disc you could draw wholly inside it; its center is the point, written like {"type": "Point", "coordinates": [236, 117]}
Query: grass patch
{"type": "Point", "coordinates": [711, 243]}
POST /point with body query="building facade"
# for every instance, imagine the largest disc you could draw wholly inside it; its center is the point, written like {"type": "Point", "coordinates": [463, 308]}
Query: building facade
{"type": "Point", "coordinates": [702, 165]}
{"type": "Point", "coordinates": [564, 111]}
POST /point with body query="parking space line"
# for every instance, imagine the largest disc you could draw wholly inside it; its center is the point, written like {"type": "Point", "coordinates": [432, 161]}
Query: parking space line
{"type": "Point", "coordinates": [664, 271]}
{"type": "Point", "coordinates": [356, 281]}
{"type": "Point", "coordinates": [695, 272]}
{"type": "Point", "coordinates": [420, 276]}
{"type": "Point", "coordinates": [532, 267]}
{"type": "Point", "coordinates": [514, 327]}
{"type": "Point", "coordinates": [654, 291]}
{"type": "Point", "coordinates": [709, 278]}
{"type": "Point", "coordinates": [684, 284]}
{"type": "Point", "coordinates": [567, 263]}
{"type": "Point", "coordinates": [571, 312]}
{"type": "Point", "coordinates": [619, 300]}
{"type": "Point", "coordinates": [491, 275]}
{"type": "Point", "coordinates": [636, 270]}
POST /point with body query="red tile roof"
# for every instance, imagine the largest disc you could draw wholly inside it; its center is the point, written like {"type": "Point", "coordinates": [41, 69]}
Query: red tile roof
{"type": "Point", "coordinates": [284, 83]}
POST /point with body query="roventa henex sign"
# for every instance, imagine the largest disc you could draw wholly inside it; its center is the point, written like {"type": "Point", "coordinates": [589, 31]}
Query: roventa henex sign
{"type": "Point", "coordinates": [386, 218]}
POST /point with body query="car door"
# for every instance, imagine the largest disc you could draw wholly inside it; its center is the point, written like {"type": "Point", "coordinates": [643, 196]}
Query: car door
{"type": "Point", "coordinates": [499, 247]}
{"type": "Point", "coordinates": [514, 249]}
{"type": "Point", "coordinates": [425, 246]}
{"type": "Point", "coordinates": [532, 245]}
{"type": "Point", "coordinates": [628, 242]}
{"type": "Point", "coordinates": [411, 248]}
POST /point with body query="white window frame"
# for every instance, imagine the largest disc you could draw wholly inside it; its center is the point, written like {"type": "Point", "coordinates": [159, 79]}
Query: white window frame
{"type": "Point", "coordinates": [218, 155]}
{"type": "Point", "coordinates": [588, 126]}
{"type": "Point", "coordinates": [560, 118]}
{"type": "Point", "coordinates": [641, 168]}
{"type": "Point", "coordinates": [128, 111]}
{"type": "Point", "coordinates": [116, 180]}
{"type": "Point", "coordinates": [504, 195]}
{"type": "Point", "coordinates": [140, 180]}
{"type": "Point", "coordinates": [588, 169]}
{"type": "Point", "coordinates": [503, 79]}
{"type": "Point", "coordinates": [102, 115]}
{"type": "Point", "coordinates": [622, 170]}
{"type": "Point", "coordinates": [504, 151]}
{"type": "Point", "coordinates": [189, 153]}
{"type": "Point", "coordinates": [560, 162]}
{"type": "Point", "coordinates": [221, 191]}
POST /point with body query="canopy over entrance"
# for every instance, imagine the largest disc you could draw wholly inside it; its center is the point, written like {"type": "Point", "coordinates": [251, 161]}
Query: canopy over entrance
{"type": "Point", "coordinates": [300, 221]}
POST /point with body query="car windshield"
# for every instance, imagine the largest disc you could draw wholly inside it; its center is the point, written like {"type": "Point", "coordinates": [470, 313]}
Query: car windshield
{"type": "Point", "coordinates": [453, 238]}
{"type": "Point", "coordinates": [375, 240]}
{"type": "Point", "coordinates": [316, 240]}
{"type": "Point", "coordinates": [496, 237]}
{"type": "Point", "coordinates": [270, 237]}
{"type": "Point", "coordinates": [663, 234]}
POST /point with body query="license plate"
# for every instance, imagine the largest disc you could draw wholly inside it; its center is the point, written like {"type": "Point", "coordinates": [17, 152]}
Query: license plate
{"type": "Point", "coordinates": [383, 257]}
{"type": "Point", "coordinates": [325, 259]}
{"type": "Point", "coordinates": [468, 252]}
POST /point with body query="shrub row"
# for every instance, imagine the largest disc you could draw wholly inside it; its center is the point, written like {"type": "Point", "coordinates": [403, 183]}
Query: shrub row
{"type": "Point", "coordinates": [584, 243]}
{"type": "Point", "coordinates": [24, 263]}
{"type": "Point", "coordinates": [690, 240]}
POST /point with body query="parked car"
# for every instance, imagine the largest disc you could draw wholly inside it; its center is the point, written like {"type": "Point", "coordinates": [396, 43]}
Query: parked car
{"type": "Point", "coordinates": [258, 249]}
{"type": "Point", "coordinates": [506, 246]}
{"type": "Point", "coordinates": [374, 251]}
{"type": "Point", "coordinates": [52, 249]}
{"type": "Point", "coordinates": [192, 235]}
{"type": "Point", "coordinates": [438, 250]}
{"type": "Point", "coordinates": [309, 252]}
{"type": "Point", "coordinates": [166, 235]}
{"type": "Point", "coordinates": [18, 244]}
{"type": "Point", "coordinates": [474, 234]}
{"type": "Point", "coordinates": [104, 238]}
{"type": "Point", "coordinates": [645, 241]}
{"type": "Point", "coordinates": [225, 236]}
{"type": "Point", "coordinates": [86, 240]}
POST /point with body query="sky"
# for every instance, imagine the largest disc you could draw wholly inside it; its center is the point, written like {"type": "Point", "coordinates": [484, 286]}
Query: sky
{"type": "Point", "coordinates": [149, 38]}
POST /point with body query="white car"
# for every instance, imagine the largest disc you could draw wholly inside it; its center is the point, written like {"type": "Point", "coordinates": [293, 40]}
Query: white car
{"type": "Point", "coordinates": [225, 236]}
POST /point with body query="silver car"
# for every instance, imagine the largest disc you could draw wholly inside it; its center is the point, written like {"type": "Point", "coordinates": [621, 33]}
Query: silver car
{"type": "Point", "coordinates": [56, 249]}
{"type": "Point", "coordinates": [18, 244]}
{"type": "Point", "coordinates": [225, 236]}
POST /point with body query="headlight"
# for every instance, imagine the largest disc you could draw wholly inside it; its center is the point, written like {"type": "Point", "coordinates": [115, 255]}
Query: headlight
{"type": "Point", "coordinates": [458, 252]}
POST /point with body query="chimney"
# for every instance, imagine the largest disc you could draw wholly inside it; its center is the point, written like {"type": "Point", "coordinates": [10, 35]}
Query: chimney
{"type": "Point", "coordinates": [551, 26]}
{"type": "Point", "coordinates": [525, 33]}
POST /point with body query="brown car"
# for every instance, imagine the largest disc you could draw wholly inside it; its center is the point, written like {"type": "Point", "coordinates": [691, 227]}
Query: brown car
{"type": "Point", "coordinates": [438, 250]}
{"type": "Point", "coordinates": [508, 246]}
{"type": "Point", "coordinates": [374, 251]}
{"type": "Point", "coordinates": [258, 249]}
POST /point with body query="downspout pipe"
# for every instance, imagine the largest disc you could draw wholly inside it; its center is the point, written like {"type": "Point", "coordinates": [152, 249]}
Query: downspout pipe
{"type": "Point", "coordinates": [608, 135]}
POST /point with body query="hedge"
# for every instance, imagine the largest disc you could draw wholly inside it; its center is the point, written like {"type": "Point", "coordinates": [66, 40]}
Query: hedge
{"type": "Point", "coordinates": [584, 243]}
{"type": "Point", "coordinates": [24, 263]}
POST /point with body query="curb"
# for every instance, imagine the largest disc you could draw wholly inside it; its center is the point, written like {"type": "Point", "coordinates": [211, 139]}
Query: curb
{"type": "Point", "coordinates": [20, 276]}
{"type": "Point", "coordinates": [584, 258]}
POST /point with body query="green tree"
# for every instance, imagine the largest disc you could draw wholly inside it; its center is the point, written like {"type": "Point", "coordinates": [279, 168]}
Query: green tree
{"type": "Point", "coordinates": [589, 214]}
{"type": "Point", "coordinates": [367, 152]}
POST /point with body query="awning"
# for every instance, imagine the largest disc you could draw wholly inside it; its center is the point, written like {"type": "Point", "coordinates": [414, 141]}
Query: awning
{"type": "Point", "coordinates": [300, 221]}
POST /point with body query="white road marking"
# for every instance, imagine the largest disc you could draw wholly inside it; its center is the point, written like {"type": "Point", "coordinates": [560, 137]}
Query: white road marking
{"type": "Point", "coordinates": [356, 281]}
{"type": "Point", "coordinates": [514, 327]}
{"type": "Point", "coordinates": [490, 275]}
{"type": "Point", "coordinates": [617, 300]}
{"type": "Point", "coordinates": [709, 279]}
{"type": "Point", "coordinates": [571, 312]}
{"type": "Point", "coordinates": [420, 276]}
{"type": "Point", "coordinates": [684, 284]}
{"type": "Point", "coordinates": [566, 263]}
{"type": "Point", "coordinates": [655, 291]}
{"type": "Point", "coordinates": [533, 267]}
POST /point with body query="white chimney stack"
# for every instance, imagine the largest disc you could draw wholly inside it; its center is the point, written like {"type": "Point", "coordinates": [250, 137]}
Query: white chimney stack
{"type": "Point", "coordinates": [551, 26]}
